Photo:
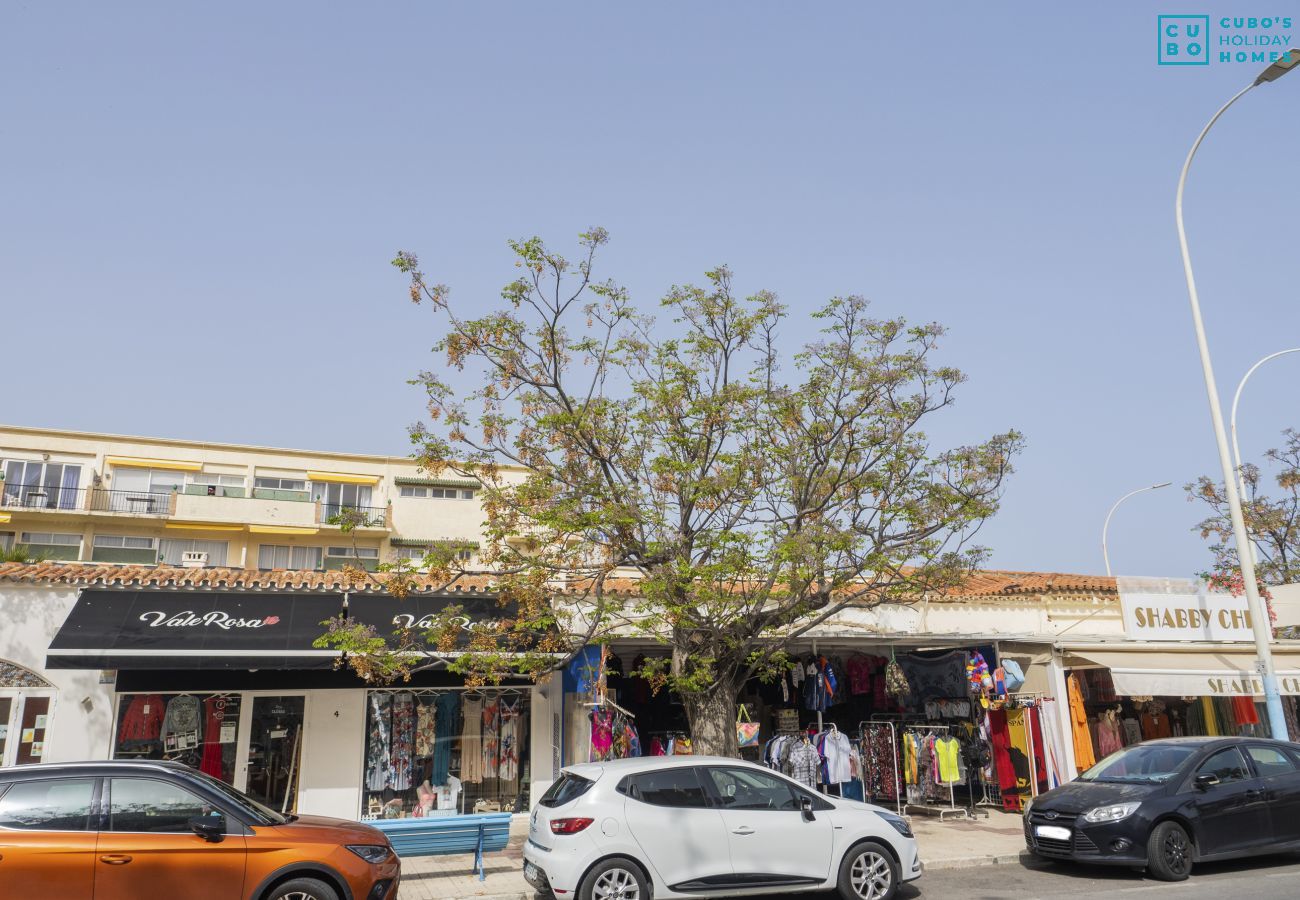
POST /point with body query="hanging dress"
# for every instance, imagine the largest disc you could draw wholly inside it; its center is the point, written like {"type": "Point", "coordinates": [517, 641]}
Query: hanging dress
{"type": "Point", "coordinates": [426, 728]}
{"type": "Point", "coordinates": [471, 743]}
{"type": "Point", "coordinates": [402, 761]}
{"type": "Point", "coordinates": [510, 735]}
{"type": "Point", "coordinates": [447, 718]}
{"type": "Point", "coordinates": [378, 743]}
{"type": "Point", "coordinates": [214, 712]}
{"type": "Point", "coordinates": [1084, 757]}
{"type": "Point", "coordinates": [491, 737]}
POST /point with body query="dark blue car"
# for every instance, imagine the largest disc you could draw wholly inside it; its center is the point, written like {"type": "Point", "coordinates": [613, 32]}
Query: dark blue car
{"type": "Point", "coordinates": [1169, 804]}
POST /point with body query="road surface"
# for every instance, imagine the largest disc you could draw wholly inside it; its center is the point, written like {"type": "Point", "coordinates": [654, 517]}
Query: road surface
{"type": "Point", "coordinates": [1266, 878]}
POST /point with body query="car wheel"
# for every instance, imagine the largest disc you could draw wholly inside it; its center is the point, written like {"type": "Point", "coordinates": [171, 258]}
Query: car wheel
{"type": "Point", "coordinates": [868, 872]}
{"type": "Point", "coordinates": [1169, 852]}
{"type": "Point", "coordinates": [303, 889]}
{"type": "Point", "coordinates": [614, 879]}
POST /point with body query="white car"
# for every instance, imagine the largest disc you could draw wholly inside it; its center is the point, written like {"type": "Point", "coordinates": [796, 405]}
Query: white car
{"type": "Point", "coordinates": [696, 826]}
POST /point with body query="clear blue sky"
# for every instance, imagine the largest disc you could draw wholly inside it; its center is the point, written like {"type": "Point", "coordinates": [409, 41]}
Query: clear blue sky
{"type": "Point", "coordinates": [199, 202]}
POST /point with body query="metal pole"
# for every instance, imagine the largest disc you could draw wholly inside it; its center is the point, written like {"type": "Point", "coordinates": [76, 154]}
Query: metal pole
{"type": "Point", "coordinates": [1106, 525]}
{"type": "Point", "coordinates": [1232, 416]}
{"type": "Point", "coordinates": [1258, 614]}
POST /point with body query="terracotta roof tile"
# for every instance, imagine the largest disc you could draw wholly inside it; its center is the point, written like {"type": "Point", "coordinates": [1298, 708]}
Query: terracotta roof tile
{"type": "Point", "coordinates": [982, 584]}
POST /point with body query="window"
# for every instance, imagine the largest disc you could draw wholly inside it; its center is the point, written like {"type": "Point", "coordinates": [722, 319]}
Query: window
{"type": "Point", "coordinates": [40, 485]}
{"type": "Point", "coordinates": [678, 787]}
{"type": "Point", "coordinates": [52, 545]}
{"type": "Point", "coordinates": [273, 488]}
{"type": "Point", "coordinates": [171, 550]}
{"type": "Point", "coordinates": [1227, 764]}
{"type": "Point", "coordinates": [146, 805]}
{"type": "Point", "coordinates": [437, 493]}
{"type": "Point", "coordinates": [743, 789]}
{"type": "Point", "coordinates": [196, 729]}
{"type": "Point", "coordinates": [347, 500]}
{"type": "Point", "coordinates": [1270, 761]}
{"type": "Point", "coordinates": [55, 804]}
{"type": "Point", "coordinates": [569, 788]}
{"type": "Point", "coordinates": [6, 540]}
{"type": "Point", "coordinates": [122, 548]}
{"type": "Point", "coordinates": [415, 555]}
{"type": "Point", "coordinates": [147, 481]}
{"type": "Point", "coordinates": [282, 484]}
{"type": "Point", "coordinates": [276, 556]}
{"type": "Point", "coordinates": [359, 557]}
{"type": "Point", "coordinates": [204, 483]}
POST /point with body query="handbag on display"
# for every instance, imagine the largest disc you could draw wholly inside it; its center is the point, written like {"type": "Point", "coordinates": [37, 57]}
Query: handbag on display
{"type": "Point", "coordinates": [895, 680]}
{"type": "Point", "coordinates": [746, 729]}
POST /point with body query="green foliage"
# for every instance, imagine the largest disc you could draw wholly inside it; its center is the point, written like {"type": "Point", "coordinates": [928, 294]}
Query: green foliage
{"type": "Point", "coordinates": [21, 553]}
{"type": "Point", "coordinates": [670, 481]}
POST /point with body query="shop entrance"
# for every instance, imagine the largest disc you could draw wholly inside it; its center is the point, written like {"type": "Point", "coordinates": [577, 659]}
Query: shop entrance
{"type": "Point", "coordinates": [274, 750]}
{"type": "Point", "coordinates": [25, 708]}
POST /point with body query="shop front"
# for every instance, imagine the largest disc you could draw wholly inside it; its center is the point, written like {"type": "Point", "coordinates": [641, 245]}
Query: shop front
{"type": "Point", "coordinates": [230, 683]}
{"type": "Point", "coordinates": [940, 725]}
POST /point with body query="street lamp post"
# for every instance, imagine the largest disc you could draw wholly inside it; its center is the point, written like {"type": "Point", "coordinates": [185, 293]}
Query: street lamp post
{"type": "Point", "coordinates": [1232, 416]}
{"type": "Point", "coordinates": [1258, 614]}
{"type": "Point", "coordinates": [1105, 555]}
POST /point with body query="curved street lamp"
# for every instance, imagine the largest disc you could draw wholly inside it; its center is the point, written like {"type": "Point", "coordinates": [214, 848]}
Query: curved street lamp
{"type": "Point", "coordinates": [1232, 416]}
{"type": "Point", "coordinates": [1258, 613]}
{"type": "Point", "coordinates": [1106, 525]}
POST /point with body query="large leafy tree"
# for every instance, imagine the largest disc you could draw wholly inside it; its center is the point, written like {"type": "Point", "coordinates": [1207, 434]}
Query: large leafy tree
{"type": "Point", "coordinates": [669, 480]}
{"type": "Point", "coordinates": [1272, 517]}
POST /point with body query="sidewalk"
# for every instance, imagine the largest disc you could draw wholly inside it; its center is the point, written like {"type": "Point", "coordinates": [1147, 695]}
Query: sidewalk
{"type": "Point", "coordinates": [954, 844]}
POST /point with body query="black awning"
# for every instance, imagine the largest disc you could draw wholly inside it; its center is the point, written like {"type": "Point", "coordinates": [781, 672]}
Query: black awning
{"type": "Point", "coordinates": [109, 629]}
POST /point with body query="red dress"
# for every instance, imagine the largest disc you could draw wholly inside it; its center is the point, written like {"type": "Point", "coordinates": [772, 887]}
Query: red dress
{"type": "Point", "coordinates": [214, 713]}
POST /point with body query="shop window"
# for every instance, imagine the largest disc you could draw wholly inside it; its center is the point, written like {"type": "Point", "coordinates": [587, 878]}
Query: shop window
{"type": "Point", "coordinates": [356, 557]}
{"type": "Point", "coordinates": [445, 753]}
{"type": "Point", "coordinates": [54, 804]}
{"type": "Point", "coordinates": [122, 548]}
{"type": "Point", "coordinates": [172, 551]}
{"type": "Point", "coordinates": [200, 730]}
{"type": "Point", "coordinates": [52, 545]}
{"type": "Point", "coordinates": [277, 556]}
{"type": "Point", "coordinates": [143, 805]}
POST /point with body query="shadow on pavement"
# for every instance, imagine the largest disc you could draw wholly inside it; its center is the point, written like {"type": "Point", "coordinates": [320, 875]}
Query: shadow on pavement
{"type": "Point", "coordinates": [1125, 874]}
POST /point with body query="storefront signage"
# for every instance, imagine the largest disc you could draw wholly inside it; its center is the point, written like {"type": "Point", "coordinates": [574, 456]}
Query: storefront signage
{"type": "Point", "coordinates": [189, 619]}
{"type": "Point", "coordinates": [1185, 616]}
{"type": "Point", "coordinates": [1145, 682]}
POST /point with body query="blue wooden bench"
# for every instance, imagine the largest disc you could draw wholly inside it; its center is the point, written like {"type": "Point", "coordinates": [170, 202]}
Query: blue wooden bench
{"type": "Point", "coordinates": [440, 836]}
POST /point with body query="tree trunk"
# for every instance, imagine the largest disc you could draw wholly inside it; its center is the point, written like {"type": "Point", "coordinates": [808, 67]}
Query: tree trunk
{"type": "Point", "coordinates": [713, 721]}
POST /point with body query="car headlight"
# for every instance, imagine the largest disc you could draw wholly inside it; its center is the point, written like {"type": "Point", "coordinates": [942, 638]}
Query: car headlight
{"type": "Point", "coordinates": [371, 853]}
{"type": "Point", "coordinates": [899, 823]}
{"type": "Point", "coordinates": [1110, 813]}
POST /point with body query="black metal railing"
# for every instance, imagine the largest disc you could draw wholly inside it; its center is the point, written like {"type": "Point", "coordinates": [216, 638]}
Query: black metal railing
{"type": "Point", "coordinates": [36, 496]}
{"type": "Point", "coordinates": [142, 503]}
{"type": "Point", "coordinates": [344, 514]}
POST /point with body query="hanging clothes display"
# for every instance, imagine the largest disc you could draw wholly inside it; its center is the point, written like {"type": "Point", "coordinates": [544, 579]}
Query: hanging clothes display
{"type": "Point", "coordinates": [402, 761]}
{"type": "Point", "coordinates": [1084, 758]}
{"type": "Point", "coordinates": [805, 763]}
{"type": "Point", "coordinates": [426, 729]}
{"type": "Point", "coordinates": [471, 742]}
{"type": "Point", "coordinates": [491, 737]}
{"type": "Point", "coordinates": [880, 761]}
{"type": "Point", "coordinates": [379, 746]}
{"type": "Point", "coordinates": [947, 755]}
{"type": "Point", "coordinates": [1109, 737]}
{"type": "Point", "coordinates": [214, 713]}
{"type": "Point", "coordinates": [143, 719]}
{"type": "Point", "coordinates": [509, 737]}
{"type": "Point", "coordinates": [446, 717]}
{"type": "Point", "coordinates": [838, 752]}
{"type": "Point", "coordinates": [602, 735]}
{"type": "Point", "coordinates": [180, 726]}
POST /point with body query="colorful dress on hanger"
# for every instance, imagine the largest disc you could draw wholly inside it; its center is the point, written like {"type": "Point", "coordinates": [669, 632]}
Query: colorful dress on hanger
{"type": "Point", "coordinates": [491, 737]}
{"type": "Point", "coordinates": [426, 727]}
{"type": "Point", "coordinates": [471, 743]}
{"type": "Point", "coordinates": [378, 740]}
{"type": "Point", "coordinates": [1108, 736]}
{"type": "Point", "coordinates": [402, 760]}
{"type": "Point", "coordinates": [602, 735]}
{"type": "Point", "coordinates": [1083, 753]}
{"type": "Point", "coordinates": [510, 736]}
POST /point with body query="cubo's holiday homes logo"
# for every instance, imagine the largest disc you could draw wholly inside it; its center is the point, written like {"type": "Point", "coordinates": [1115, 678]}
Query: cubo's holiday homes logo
{"type": "Point", "coordinates": [215, 619]}
{"type": "Point", "coordinates": [1194, 40]}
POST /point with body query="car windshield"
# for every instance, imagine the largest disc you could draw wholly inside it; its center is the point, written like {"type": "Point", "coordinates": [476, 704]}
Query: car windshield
{"type": "Point", "coordinates": [1142, 764]}
{"type": "Point", "coordinates": [262, 815]}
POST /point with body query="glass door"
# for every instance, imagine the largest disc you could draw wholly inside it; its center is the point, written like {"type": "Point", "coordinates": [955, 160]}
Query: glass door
{"type": "Point", "coordinates": [275, 750]}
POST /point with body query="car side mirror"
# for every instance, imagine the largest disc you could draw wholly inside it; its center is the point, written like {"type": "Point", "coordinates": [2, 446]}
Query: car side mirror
{"type": "Point", "coordinates": [1206, 781]}
{"type": "Point", "coordinates": [210, 828]}
{"type": "Point", "coordinates": [806, 807]}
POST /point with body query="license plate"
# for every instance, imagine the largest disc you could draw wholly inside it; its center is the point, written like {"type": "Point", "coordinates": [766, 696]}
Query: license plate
{"type": "Point", "coordinates": [1052, 832]}
{"type": "Point", "coordinates": [530, 872]}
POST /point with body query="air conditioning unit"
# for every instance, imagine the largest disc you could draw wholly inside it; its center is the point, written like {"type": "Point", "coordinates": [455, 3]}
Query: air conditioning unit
{"type": "Point", "coordinates": [193, 559]}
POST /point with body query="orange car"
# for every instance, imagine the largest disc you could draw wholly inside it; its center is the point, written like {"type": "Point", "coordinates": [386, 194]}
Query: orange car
{"type": "Point", "coordinates": [125, 830]}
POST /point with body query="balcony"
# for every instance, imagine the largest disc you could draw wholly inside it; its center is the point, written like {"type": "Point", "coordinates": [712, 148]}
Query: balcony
{"type": "Point", "coordinates": [362, 517]}
{"type": "Point", "coordinates": [39, 498]}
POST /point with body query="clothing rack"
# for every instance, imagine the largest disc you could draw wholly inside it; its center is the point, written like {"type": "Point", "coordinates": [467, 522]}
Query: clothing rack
{"type": "Point", "coordinates": [929, 809]}
{"type": "Point", "coordinates": [893, 749]}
